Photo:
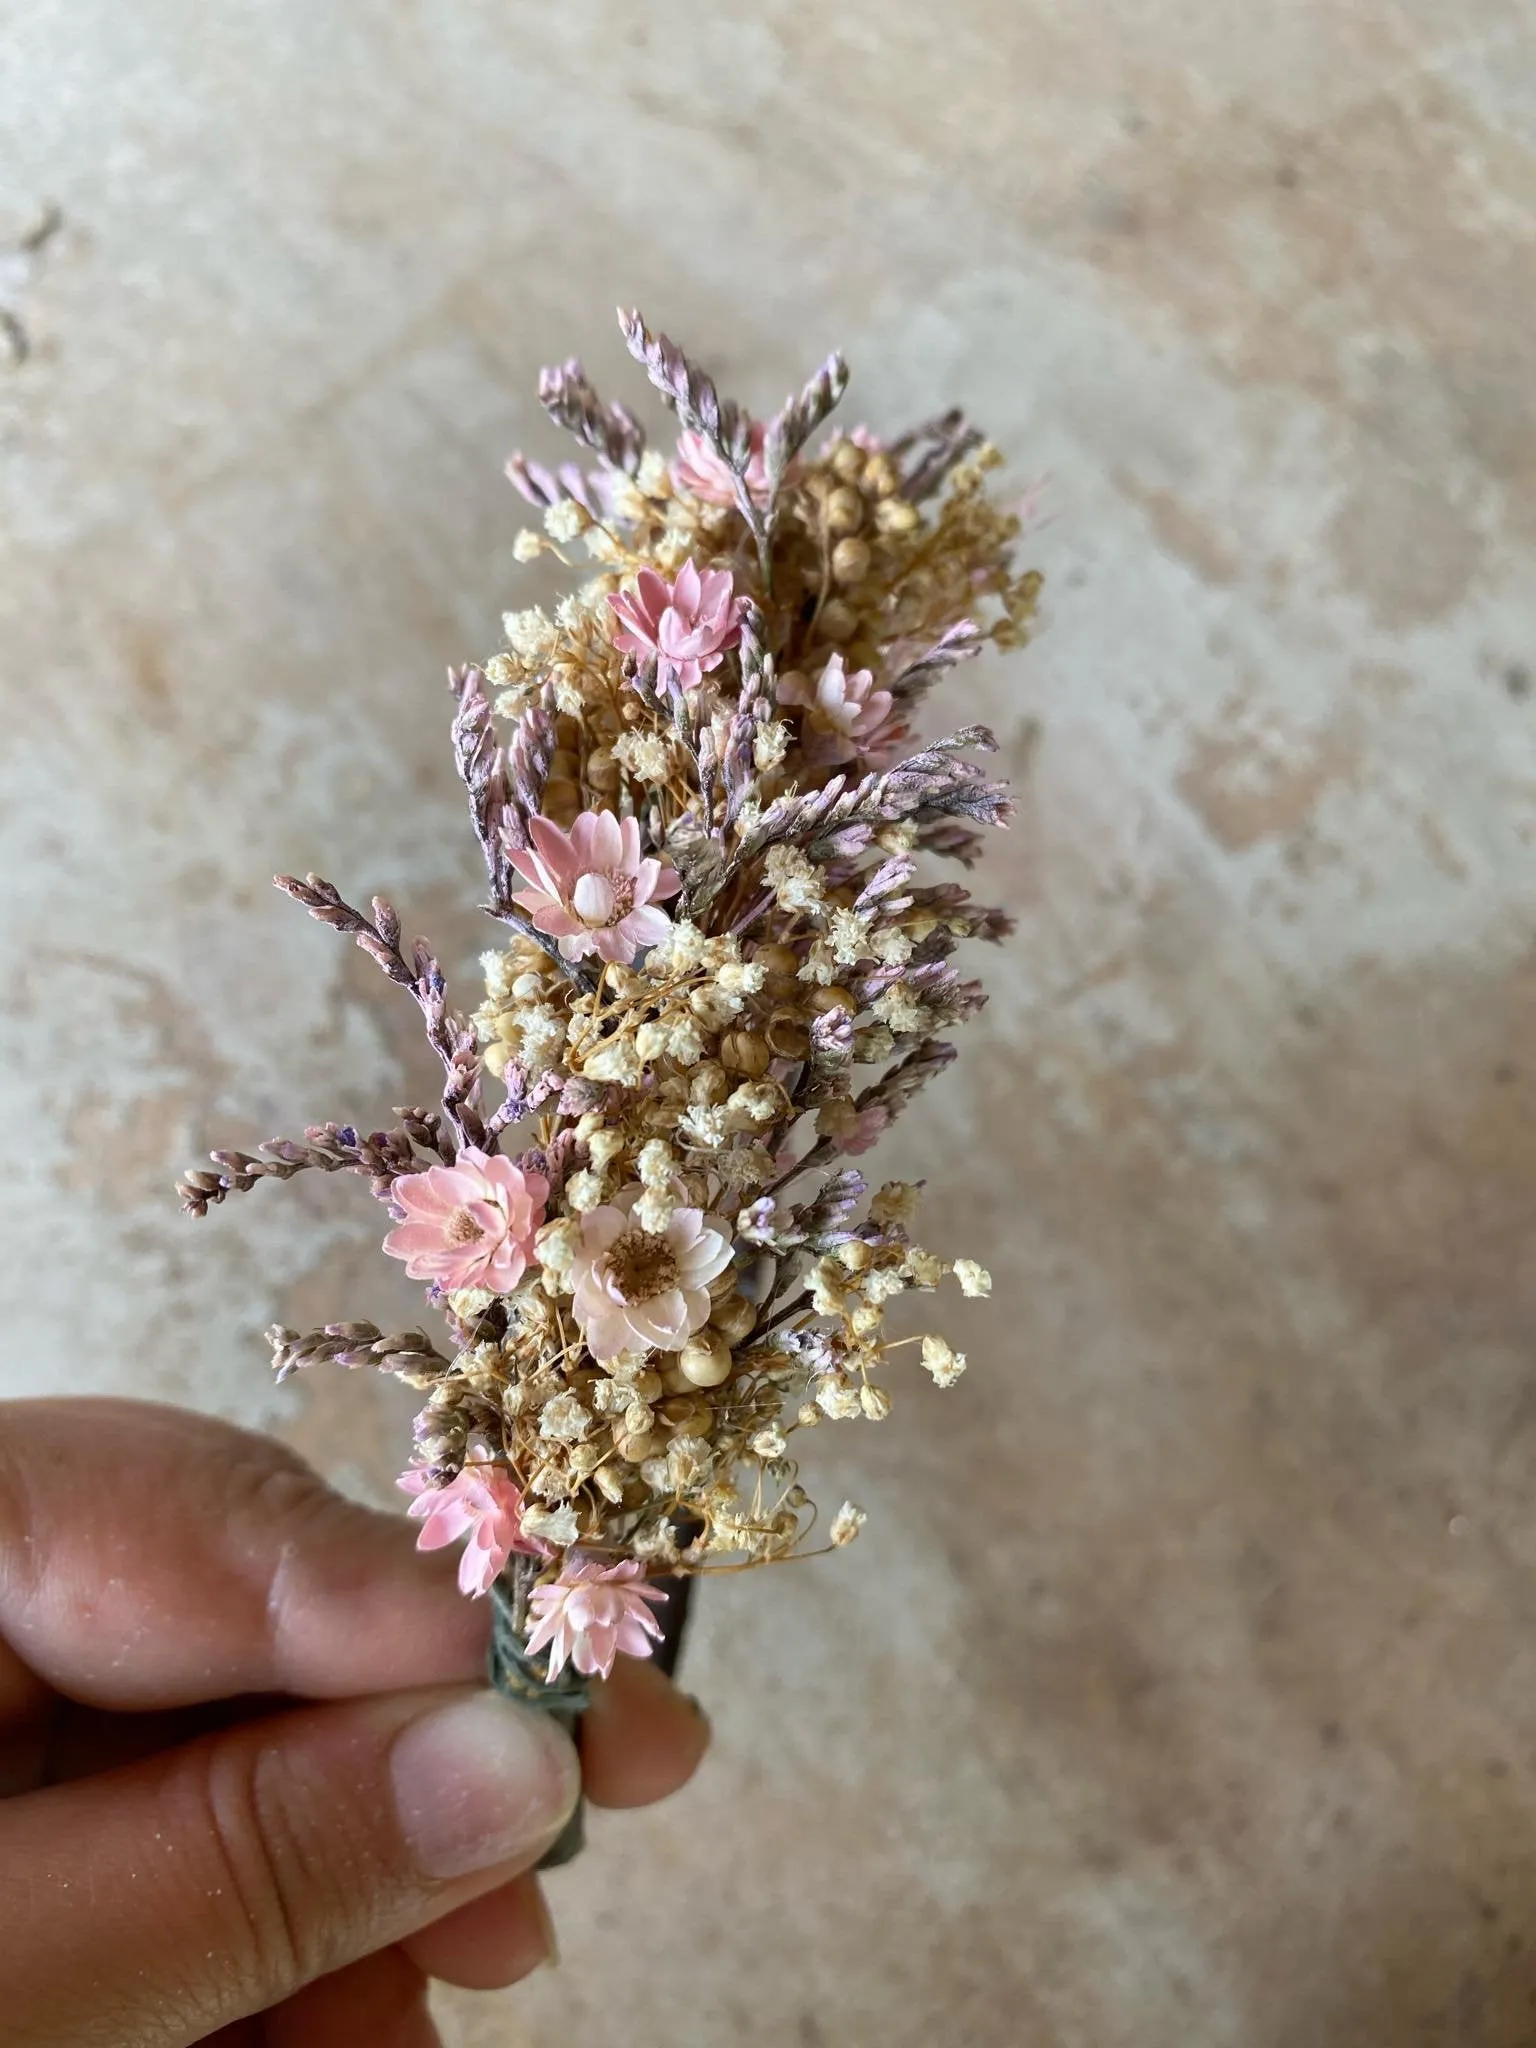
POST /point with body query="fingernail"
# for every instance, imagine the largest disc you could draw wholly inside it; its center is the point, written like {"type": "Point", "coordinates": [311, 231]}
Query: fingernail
{"type": "Point", "coordinates": [546, 1924]}
{"type": "Point", "coordinates": [482, 1782]}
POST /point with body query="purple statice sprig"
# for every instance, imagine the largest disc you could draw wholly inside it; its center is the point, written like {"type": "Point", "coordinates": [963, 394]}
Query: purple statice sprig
{"type": "Point", "coordinates": [961, 642]}
{"type": "Point", "coordinates": [449, 1035]}
{"type": "Point", "coordinates": [929, 452]}
{"type": "Point", "coordinates": [612, 431]}
{"type": "Point", "coordinates": [693, 395]}
{"type": "Point", "coordinates": [326, 1148]}
{"type": "Point", "coordinates": [935, 783]}
{"type": "Point", "coordinates": [505, 787]}
{"type": "Point", "coordinates": [409, 1354]}
{"type": "Point", "coordinates": [886, 1097]}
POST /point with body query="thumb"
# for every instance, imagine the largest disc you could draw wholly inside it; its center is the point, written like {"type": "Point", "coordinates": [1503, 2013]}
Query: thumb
{"type": "Point", "coordinates": [148, 1906]}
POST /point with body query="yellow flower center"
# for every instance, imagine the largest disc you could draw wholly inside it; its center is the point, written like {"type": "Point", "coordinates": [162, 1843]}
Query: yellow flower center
{"type": "Point", "coordinates": [640, 1266]}
{"type": "Point", "coordinates": [462, 1227]}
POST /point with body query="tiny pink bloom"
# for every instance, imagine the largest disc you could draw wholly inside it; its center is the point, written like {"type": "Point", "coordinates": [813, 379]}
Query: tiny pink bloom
{"type": "Point", "coordinates": [470, 1224]}
{"type": "Point", "coordinates": [697, 469]}
{"type": "Point", "coordinates": [635, 1291]}
{"type": "Point", "coordinates": [482, 1504]}
{"type": "Point", "coordinates": [846, 717]}
{"type": "Point", "coordinates": [590, 888]}
{"type": "Point", "coordinates": [592, 1612]}
{"type": "Point", "coordinates": [687, 625]}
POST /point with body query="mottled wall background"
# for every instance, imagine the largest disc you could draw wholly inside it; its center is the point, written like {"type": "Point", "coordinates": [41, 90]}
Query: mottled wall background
{"type": "Point", "coordinates": [1181, 1693]}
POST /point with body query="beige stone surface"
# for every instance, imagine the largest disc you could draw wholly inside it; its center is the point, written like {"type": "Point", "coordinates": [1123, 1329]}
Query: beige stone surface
{"type": "Point", "coordinates": [1182, 1691]}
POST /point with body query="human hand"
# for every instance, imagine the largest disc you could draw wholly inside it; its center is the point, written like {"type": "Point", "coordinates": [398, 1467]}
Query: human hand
{"type": "Point", "coordinates": [250, 1792]}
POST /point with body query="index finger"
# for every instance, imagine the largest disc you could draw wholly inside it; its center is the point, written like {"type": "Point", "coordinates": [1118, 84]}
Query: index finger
{"type": "Point", "coordinates": [151, 1557]}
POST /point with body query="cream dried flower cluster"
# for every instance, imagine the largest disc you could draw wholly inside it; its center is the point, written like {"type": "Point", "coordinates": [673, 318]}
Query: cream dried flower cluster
{"type": "Point", "coordinates": [702, 811]}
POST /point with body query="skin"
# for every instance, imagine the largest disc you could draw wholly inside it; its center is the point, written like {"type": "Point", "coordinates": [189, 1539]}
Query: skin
{"type": "Point", "coordinates": [210, 1668]}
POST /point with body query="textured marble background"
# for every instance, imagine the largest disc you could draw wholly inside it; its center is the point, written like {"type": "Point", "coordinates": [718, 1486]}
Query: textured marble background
{"type": "Point", "coordinates": [1181, 1693]}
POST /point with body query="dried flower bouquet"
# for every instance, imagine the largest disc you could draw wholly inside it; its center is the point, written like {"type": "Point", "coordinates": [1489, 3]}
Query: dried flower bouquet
{"type": "Point", "coordinates": [701, 820]}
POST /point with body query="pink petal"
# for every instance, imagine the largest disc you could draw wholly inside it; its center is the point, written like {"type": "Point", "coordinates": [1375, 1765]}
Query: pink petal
{"type": "Point", "coordinates": [595, 1661]}
{"type": "Point", "coordinates": [643, 927]}
{"type": "Point", "coordinates": [583, 846]}
{"type": "Point", "coordinates": [607, 841]}
{"type": "Point", "coordinates": [505, 1268]}
{"type": "Point", "coordinates": [478, 1574]}
{"type": "Point", "coordinates": [419, 1265]}
{"type": "Point", "coordinates": [678, 637]}
{"type": "Point", "coordinates": [602, 1227]}
{"type": "Point", "coordinates": [663, 1320]}
{"type": "Point", "coordinates": [556, 851]}
{"type": "Point", "coordinates": [685, 591]}
{"type": "Point", "coordinates": [421, 1197]}
{"type": "Point", "coordinates": [460, 1183]}
{"type": "Point", "coordinates": [703, 1261]}
{"type": "Point", "coordinates": [632, 1636]}
{"type": "Point", "coordinates": [592, 899]}
{"type": "Point", "coordinates": [654, 594]}
{"type": "Point", "coordinates": [551, 917]}
{"type": "Point", "coordinates": [629, 834]}
{"type": "Point", "coordinates": [408, 1238]}
{"type": "Point", "coordinates": [533, 870]}
{"type": "Point", "coordinates": [715, 595]}
{"type": "Point", "coordinates": [647, 874]}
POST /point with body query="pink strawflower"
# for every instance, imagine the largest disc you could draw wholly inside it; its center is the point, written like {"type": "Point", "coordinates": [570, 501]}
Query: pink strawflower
{"type": "Point", "coordinates": [591, 889]}
{"type": "Point", "coordinates": [687, 625]}
{"type": "Point", "coordinates": [482, 1504]}
{"type": "Point", "coordinates": [636, 1291]}
{"type": "Point", "coordinates": [697, 469]}
{"type": "Point", "coordinates": [591, 1612]}
{"type": "Point", "coordinates": [845, 716]}
{"type": "Point", "coordinates": [470, 1224]}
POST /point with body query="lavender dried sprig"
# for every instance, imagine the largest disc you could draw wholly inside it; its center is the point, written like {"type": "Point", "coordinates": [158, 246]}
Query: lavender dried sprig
{"type": "Point", "coordinates": [541, 486]}
{"type": "Point", "coordinates": [326, 1148]}
{"type": "Point", "coordinates": [961, 642]}
{"type": "Point", "coordinates": [692, 395]}
{"type": "Point", "coordinates": [933, 783]}
{"type": "Point", "coordinates": [754, 708]}
{"type": "Point", "coordinates": [799, 417]}
{"type": "Point", "coordinates": [950, 437]}
{"type": "Point", "coordinates": [408, 1354]}
{"type": "Point", "coordinates": [567, 396]}
{"type": "Point", "coordinates": [689, 391]}
{"type": "Point", "coordinates": [379, 937]}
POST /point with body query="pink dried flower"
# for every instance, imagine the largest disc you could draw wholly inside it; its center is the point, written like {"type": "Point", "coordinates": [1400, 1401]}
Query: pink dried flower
{"type": "Point", "coordinates": [592, 1612]}
{"type": "Point", "coordinates": [481, 1503]}
{"type": "Point", "coordinates": [846, 717]}
{"type": "Point", "coordinates": [591, 889]}
{"type": "Point", "coordinates": [686, 625]}
{"type": "Point", "coordinates": [636, 1291]}
{"type": "Point", "coordinates": [696, 468]}
{"type": "Point", "coordinates": [470, 1224]}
